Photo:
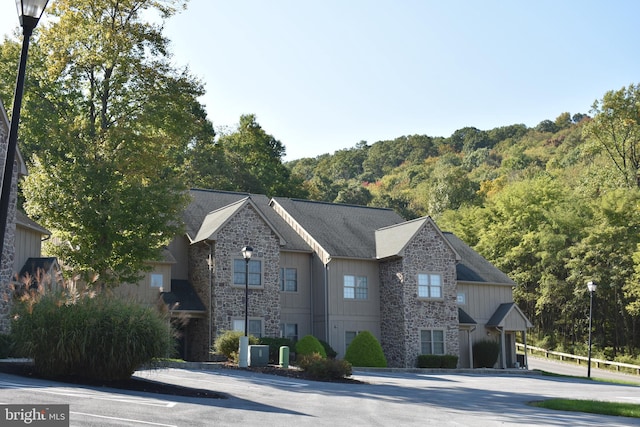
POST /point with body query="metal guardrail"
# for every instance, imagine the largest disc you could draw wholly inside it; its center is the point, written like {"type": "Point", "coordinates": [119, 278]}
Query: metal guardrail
{"type": "Point", "coordinates": [597, 362]}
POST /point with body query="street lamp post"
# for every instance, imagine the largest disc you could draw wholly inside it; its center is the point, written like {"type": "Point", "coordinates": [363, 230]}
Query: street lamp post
{"type": "Point", "coordinates": [591, 286]}
{"type": "Point", "coordinates": [29, 12]}
{"type": "Point", "coordinates": [243, 351]}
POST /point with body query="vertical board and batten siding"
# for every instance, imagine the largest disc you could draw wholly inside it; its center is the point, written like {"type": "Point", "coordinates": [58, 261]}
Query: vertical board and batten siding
{"type": "Point", "coordinates": [28, 245]}
{"type": "Point", "coordinates": [142, 292]}
{"type": "Point", "coordinates": [483, 300]}
{"type": "Point", "coordinates": [318, 295]}
{"type": "Point", "coordinates": [350, 314]}
{"type": "Point", "coordinates": [179, 248]}
{"type": "Point", "coordinates": [295, 307]}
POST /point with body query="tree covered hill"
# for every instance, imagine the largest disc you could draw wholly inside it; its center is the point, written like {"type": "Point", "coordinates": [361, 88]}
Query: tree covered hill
{"type": "Point", "coordinates": [553, 206]}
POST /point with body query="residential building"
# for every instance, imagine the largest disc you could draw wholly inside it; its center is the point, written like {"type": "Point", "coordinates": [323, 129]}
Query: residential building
{"type": "Point", "coordinates": [332, 270]}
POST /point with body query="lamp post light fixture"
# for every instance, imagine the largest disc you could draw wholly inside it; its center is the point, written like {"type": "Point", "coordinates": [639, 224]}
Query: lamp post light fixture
{"type": "Point", "coordinates": [29, 12]}
{"type": "Point", "coordinates": [243, 351]}
{"type": "Point", "coordinates": [591, 286]}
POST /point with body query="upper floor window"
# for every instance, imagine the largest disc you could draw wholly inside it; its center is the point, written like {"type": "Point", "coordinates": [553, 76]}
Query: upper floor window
{"type": "Point", "coordinates": [432, 341]}
{"type": "Point", "coordinates": [355, 287]}
{"type": "Point", "coordinates": [255, 272]}
{"type": "Point", "coordinates": [429, 285]}
{"type": "Point", "coordinates": [289, 280]}
{"type": "Point", "coordinates": [462, 298]}
{"type": "Point", "coordinates": [156, 280]}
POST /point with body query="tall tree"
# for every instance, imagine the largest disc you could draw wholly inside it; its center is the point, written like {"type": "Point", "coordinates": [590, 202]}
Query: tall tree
{"type": "Point", "coordinates": [615, 128]}
{"type": "Point", "coordinates": [254, 161]}
{"type": "Point", "coordinates": [114, 122]}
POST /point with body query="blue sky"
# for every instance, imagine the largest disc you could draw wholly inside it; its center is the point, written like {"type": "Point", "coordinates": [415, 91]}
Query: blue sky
{"type": "Point", "coordinates": [323, 75]}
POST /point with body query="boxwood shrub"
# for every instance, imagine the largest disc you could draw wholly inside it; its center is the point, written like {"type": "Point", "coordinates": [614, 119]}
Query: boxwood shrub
{"type": "Point", "coordinates": [365, 351]}
{"type": "Point", "coordinates": [485, 353]}
{"type": "Point", "coordinates": [228, 342]}
{"type": "Point", "coordinates": [446, 361]}
{"type": "Point", "coordinates": [308, 345]}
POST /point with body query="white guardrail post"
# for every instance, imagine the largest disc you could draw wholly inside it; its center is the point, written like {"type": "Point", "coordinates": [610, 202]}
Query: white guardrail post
{"type": "Point", "coordinates": [566, 356]}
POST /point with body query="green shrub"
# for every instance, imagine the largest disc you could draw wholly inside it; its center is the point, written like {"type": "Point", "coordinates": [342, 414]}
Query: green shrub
{"type": "Point", "coordinates": [100, 337]}
{"type": "Point", "coordinates": [331, 353]}
{"type": "Point", "coordinates": [228, 343]}
{"type": "Point", "coordinates": [6, 346]}
{"type": "Point", "coordinates": [319, 367]}
{"type": "Point", "coordinates": [446, 361]}
{"type": "Point", "coordinates": [308, 345]}
{"type": "Point", "coordinates": [274, 347]}
{"type": "Point", "coordinates": [485, 353]}
{"type": "Point", "coordinates": [365, 350]}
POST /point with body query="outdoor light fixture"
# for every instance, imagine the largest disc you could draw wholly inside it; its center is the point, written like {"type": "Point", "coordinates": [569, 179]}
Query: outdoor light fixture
{"type": "Point", "coordinates": [591, 286]}
{"type": "Point", "coordinates": [243, 350]}
{"type": "Point", "coordinates": [29, 12]}
{"type": "Point", "coordinates": [247, 251]}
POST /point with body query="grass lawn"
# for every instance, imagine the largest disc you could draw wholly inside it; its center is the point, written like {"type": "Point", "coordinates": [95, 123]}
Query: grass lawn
{"type": "Point", "coordinates": [591, 406]}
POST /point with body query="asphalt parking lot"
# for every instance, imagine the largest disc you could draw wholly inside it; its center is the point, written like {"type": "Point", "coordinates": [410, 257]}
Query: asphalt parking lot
{"type": "Point", "coordinates": [381, 399]}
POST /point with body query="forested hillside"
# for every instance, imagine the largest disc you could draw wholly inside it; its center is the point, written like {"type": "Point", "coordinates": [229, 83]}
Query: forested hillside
{"type": "Point", "coordinates": [554, 206]}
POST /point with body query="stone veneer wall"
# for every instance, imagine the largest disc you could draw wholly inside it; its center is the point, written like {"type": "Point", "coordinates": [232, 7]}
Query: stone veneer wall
{"type": "Point", "coordinates": [198, 339]}
{"type": "Point", "coordinates": [246, 228]}
{"type": "Point", "coordinates": [427, 252]}
{"type": "Point", "coordinates": [392, 321]}
{"type": "Point", "coordinates": [8, 253]}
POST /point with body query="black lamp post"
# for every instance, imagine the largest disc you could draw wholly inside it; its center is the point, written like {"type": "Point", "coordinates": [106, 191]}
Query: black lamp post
{"type": "Point", "coordinates": [592, 288]}
{"type": "Point", "coordinates": [247, 251]}
{"type": "Point", "coordinates": [29, 12]}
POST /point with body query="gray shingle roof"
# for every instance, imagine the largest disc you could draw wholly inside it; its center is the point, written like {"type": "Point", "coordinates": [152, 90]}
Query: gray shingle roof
{"type": "Point", "coordinates": [344, 231]}
{"type": "Point", "coordinates": [183, 297]}
{"type": "Point", "coordinates": [204, 202]}
{"type": "Point", "coordinates": [473, 267]}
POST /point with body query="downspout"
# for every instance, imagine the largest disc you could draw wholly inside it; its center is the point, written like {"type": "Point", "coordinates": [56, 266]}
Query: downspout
{"type": "Point", "coordinates": [311, 290]}
{"type": "Point", "coordinates": [210, 265]}
{"type": "Point", "coordinates": [326, 303]}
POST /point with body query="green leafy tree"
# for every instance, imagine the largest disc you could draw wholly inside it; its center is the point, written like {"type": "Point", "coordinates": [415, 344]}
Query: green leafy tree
{"type": "Point", "coordinates": [254, 161]}
{"type": "Point", "coordinates": [615, 128]}
{"type": "Point", "coordinates": [110, 124]}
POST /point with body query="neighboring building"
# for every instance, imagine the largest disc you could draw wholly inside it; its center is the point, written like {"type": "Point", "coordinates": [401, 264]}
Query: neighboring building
{"type": "Point", "coordinates": [332, 270]}
{"type": "Point", "coordinates": [23, 236]}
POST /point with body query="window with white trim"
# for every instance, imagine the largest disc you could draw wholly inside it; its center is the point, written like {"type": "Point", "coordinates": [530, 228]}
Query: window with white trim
{"type": "Point", "coordinates": [255, 326]}
{"type": "Point", "coordinates": [429, 285]}
{"type": "Point", "coordinates": [289, 330]}
{"type": "Point", "coordinates": [355, 287]}
{"type": "Point", "coordinates": [156, 280]}
{"type": "Point", "coordinates": [255, 272]}
{"type": "Point", "coordinates": [289, 280]}
{"type": "Point", "coordinates": [461, 298]}
{"type": "Point", "coordinates": [432, 341]}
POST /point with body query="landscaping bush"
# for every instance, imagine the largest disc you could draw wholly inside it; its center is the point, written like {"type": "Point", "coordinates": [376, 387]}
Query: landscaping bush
{"type": "Point", "coordinates": [274, 347]}
{"type": "Point", "coordinates": [365, 351]}
{"type": "Point", "coordinates": [485, 353]}
{"type": "Point", "coordinates": [446, 361]}
{"type": "Point", "coordinates": [331, 353]}
{"type": "Point", "coordinates": [228, 343]}
{"type": "Point", "coordinates": [308, 345]}
{"type": "Point", "coordinates": [321, 368]}
{"type": "Point", "coordinates": [99, 337]}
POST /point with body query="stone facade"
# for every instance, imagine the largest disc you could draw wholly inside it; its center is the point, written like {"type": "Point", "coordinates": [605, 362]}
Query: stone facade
{"type": "Point", "coordinates": [245, 228]}
{"type": "Point", "coordinates": [8, 253]}
{"type": "Point", "coordinates": [403, 314]}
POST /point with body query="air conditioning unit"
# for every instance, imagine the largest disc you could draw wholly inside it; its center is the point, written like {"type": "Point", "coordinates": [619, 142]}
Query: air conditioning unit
{"type": "Point", "coordinates": [258, 355]}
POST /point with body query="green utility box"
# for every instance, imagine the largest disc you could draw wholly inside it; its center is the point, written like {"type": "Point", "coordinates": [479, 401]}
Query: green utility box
{"type": "Point", "coordinates": [258, 355]}
{"type": "Point", "coordinates": [284, 356]}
